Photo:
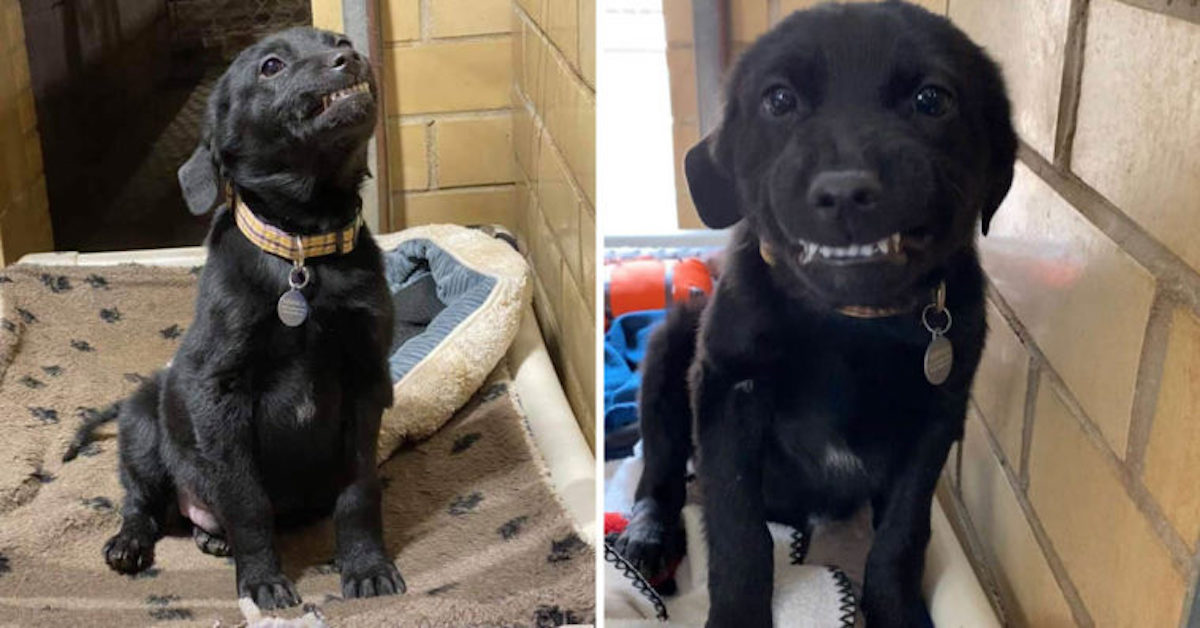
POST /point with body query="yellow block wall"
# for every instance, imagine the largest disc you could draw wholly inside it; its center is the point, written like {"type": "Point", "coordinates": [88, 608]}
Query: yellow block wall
{"type": "Point", "coordinates": [327, 14]}
{"type": "Point", "coordinates": [24, 211]}
{"type": "Point", "coordinates": [447, 72]}
{"type": "Point", "coordinates": [1077, 487]}
{"type": "Point", "coordinates": [491, 111]}
{"type": "Point", "coordinates": [1079, 479]}
{"type": "Point", "coordinates": [554, 134]}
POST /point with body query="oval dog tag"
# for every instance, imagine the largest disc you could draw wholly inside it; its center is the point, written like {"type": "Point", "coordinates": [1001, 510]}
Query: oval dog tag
{"type": "Point", "coordinates": [939, 360]}
{"type": "Point", "coordinates": [292, 308]}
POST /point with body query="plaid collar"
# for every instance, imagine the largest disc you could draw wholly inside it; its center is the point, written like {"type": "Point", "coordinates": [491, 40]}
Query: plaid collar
{"type": "Point", "coordinates": [293, 247]}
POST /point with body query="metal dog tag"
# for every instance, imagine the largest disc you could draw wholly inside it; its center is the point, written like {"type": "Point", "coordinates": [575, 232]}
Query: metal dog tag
{"type": "Point", "coordinates": [293, 307]}
{"type": "Point", "coordinates": [939, 359]}
{"type": "Point", "coordinates": [939, 355]}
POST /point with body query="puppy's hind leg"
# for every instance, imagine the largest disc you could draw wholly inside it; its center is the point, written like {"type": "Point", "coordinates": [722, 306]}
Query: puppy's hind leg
{"type": "Point", "coordinates": [653, 538]}
{"type": "Point", "coordinates": [147, 484]}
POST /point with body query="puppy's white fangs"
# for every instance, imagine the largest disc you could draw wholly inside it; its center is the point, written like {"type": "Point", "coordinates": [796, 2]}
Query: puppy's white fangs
{"type": "Point", "coordinates": [882, 248]}
{"type": "Point", "coordinates": [329, 99]}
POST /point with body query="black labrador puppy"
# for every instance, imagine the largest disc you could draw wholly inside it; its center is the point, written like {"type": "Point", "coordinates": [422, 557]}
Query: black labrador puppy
{"type": "Point", "coordinates": [270, 411]}
{"type": "Point", "coordinates": [860, 146]}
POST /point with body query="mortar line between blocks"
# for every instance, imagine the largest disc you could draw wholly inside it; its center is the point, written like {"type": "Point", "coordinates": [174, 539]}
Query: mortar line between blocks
{"type": "Point", "coordinates": [1190, 617]}
{"type": "Point", "coordinates": [1032, 385]}
{"type": "Point", "coordinates": [431, 156]}
{"type": "Point", "coordinates": [1072, 79]}
{"type": "Point", "coordinates": [1180, 9]}
{"type": "Point", "coordinates": [432, 116]}
{"type": "Point", "coordinates": [441, 41]}
{"type": "Point", "coordinates": [460, 189]}
{"type": "Point", "coordinates": [425, 20]}
{"type": "Point", "coordinates": [1148, 382]}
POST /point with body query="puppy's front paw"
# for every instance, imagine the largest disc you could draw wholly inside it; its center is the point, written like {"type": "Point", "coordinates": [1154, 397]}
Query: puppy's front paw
{"type": "Point", "coordinates": [129, 553]}
{"type": "Point", "coordinates": [651, 541]}
{"type": "Point", "coordinates": [269, 592]}
{"type": "Point", "coordinates": [377, 578]}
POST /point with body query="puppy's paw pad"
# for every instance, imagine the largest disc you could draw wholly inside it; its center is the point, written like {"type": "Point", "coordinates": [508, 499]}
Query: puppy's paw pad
{"type": "Point", "coordinates": [379, 579]}
{"type": "Point", "coordinates": [270, 593]}
{"type": "Point", "coordinates": [129, 553]}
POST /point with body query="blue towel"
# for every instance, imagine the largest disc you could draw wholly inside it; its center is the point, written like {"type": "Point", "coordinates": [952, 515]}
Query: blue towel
{"type": "Point", "coordinates": [624, 349]}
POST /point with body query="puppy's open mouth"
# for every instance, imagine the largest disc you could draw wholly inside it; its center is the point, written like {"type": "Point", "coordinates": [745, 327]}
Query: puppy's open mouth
{"type": "Point", "coordinates": [892, 249]}
{"type": "Point", "coordinates": [332, 98]}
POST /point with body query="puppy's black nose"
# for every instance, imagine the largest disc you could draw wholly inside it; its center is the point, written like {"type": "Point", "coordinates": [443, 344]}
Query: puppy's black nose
{"type": "Point", "coordinates": [835, 191]}
{"type": "Point", "coordinates": [343, 60]}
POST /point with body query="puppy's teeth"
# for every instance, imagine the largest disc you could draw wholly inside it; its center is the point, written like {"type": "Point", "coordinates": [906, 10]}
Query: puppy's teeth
{"type": "Point", "coordinates": [825, 251]}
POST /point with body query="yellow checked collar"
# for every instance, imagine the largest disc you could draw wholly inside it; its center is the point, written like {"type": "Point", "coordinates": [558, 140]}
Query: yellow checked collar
{"type": "Point", "coordinates": [294, 247]}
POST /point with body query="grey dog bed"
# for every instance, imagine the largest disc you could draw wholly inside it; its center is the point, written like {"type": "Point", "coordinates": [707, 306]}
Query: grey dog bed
{"type": "Point", "coordinates": [458, 295]}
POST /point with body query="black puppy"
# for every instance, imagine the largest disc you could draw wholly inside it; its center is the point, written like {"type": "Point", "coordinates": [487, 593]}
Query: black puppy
{"type": "Point", "coordinates": [269, 412]}
{"type": "Point", "coordinates": [860, 146]}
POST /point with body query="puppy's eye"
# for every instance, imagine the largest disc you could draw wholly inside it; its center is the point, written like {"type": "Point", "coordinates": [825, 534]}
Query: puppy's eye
{"type": "Point", "coordinates": [780, 101]}
{"type": "Point", "coordinates": [272, 66]}
{"type": "Point", "coordinates": [343, 43]}
{"type": "Point", "coordinates": [933, 101]}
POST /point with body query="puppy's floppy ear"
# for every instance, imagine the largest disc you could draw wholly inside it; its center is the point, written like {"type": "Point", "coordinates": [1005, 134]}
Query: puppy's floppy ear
{"type": "Point", "coordinates": [199, 180]}
{"type": "Point", "coordinates": [712, 188]}
{"type": "Point", "coordinates": [1002, 140]}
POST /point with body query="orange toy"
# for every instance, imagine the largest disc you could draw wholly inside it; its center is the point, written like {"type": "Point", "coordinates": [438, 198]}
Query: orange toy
{"type": "Point", "coordinates": [652, 284]}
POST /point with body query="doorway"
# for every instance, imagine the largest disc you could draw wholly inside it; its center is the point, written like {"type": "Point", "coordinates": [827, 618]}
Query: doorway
{"type": "Point", "coordinates": [120, 88]}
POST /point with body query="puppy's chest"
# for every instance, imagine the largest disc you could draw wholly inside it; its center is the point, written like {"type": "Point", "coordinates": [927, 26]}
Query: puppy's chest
{"type": "Point", "coordinates": [849, 400]}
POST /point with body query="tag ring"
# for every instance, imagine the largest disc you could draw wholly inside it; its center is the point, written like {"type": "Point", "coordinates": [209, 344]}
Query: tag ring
{"type": "Point", "coordinates": [298, 277]}
{"type": "Point", "coordinates": [929, 327]}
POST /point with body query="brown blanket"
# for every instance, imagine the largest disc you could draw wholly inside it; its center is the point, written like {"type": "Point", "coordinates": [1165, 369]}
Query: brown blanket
{"type": "Point", "coordinates": [475, 528]}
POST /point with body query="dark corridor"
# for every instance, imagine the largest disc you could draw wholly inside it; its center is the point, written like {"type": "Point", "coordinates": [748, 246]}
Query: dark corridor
{"type": "Point", "coordinates": [120, 87]}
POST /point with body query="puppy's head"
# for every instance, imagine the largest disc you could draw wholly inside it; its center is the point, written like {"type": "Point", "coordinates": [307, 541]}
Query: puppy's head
{"type": "Point", "coordinates": [861, 143]}
{"type": "Point", "coordinates": [291, 115]}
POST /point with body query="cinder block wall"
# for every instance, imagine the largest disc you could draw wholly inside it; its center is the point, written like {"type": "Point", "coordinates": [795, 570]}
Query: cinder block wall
{"type": "Point", "coordinates": [24, 211]}
{"type": "Point", "coordinates": [492, 119]}
{"type": "Point", "coordinates": [1077, 487]}
{"type": "Point", "coordinates": [554, 108]}
{"type": "Point", "coordinates": [448, 70]}
{"type": "Point", "coordinates": [1079, 478]}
